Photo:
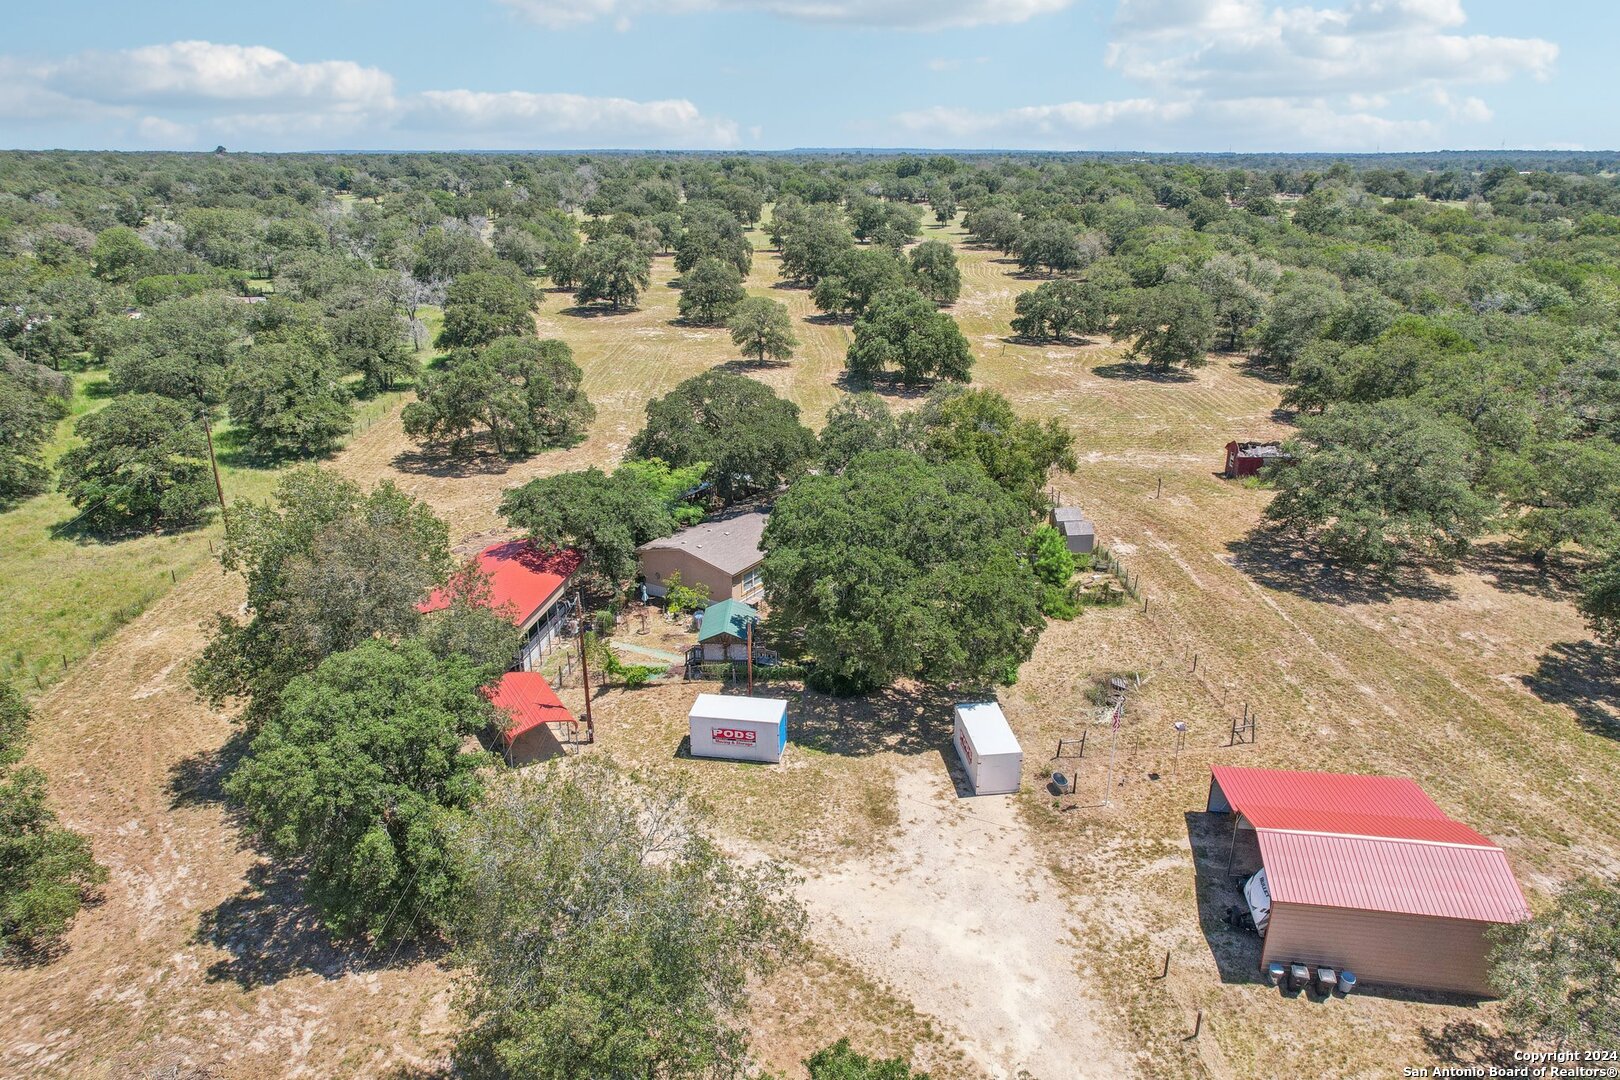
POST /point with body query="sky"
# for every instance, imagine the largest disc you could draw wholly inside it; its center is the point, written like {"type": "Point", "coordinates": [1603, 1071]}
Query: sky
{"type": "Point", "coordinates": [1155, 75]}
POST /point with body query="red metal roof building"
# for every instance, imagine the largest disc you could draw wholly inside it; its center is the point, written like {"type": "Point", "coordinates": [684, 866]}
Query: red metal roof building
{"type": "Point", "coordinates": [529, 585]}
{"type": "Point", "coordinates": [1366, 872]}
{"type": "Point", "coordinates": [530, 705]}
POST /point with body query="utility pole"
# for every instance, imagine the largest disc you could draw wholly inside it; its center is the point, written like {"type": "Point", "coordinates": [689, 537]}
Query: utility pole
{"type": "Point", "coordinates": [219, 488]}
{"type": "Point", "coordinates": [584, 669]}
{"type": "Point", "coordinates": [748, 638]}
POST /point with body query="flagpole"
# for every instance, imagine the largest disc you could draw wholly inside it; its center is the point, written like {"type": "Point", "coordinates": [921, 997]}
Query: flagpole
{"type": "Point", "coordinates": [1113, 745]}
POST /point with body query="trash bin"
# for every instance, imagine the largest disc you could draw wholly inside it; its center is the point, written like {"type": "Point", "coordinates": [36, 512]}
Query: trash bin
{"type": "Point", "coordinates": [1275, 973]}
{"type": "Point", "coordinates": [1327, 980]}
{"type": "Point", "coordinates": [1347, 982]}
{"type": "Point", "coordinates": [1299, 976]}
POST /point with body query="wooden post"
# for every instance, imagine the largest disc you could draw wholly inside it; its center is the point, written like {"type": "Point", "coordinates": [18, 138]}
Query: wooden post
{"type": "Point", "coordinates": [1198, 1025]}
{"type": "Point", "coordinates": [1158, 491]}
{"type": "Point", "coordinates": [1165, 974]}
{"type": "Point", "coordinates": [219, 488]}
{"type": "Point", "coordinates": [585, 672]}
{"type": "Point", "coordinates": [1195, 663]}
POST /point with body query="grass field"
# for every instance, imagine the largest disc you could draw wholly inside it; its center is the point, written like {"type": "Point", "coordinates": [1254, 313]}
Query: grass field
{"type": "Point", "coordinates": [1476, 683]}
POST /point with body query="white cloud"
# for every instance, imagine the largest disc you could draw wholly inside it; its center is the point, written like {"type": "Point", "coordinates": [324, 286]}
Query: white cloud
{"type": "Point", "coordinates": [569, 119]}
{"type": "Point", "coordinates": [1256, 124]}
{"type": "Point", "coordinates": [896, 14]}
{"type": "Point", "coordinates": [1242, 48]}
{"type": "Point", "coordinates": [955, 63]}
{"type": "Point", "coordinates": [1258, 75]}
{"type": "Point", "coordinates": [188, 94]}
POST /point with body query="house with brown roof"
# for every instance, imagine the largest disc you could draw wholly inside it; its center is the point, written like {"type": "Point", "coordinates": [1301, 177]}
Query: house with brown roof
{"type": "Point", "coordinates": [723, 554]}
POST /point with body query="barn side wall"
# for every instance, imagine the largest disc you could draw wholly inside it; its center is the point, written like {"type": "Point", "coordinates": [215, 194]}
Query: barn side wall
{"type": "Point", "coordinates": [1417, 951]}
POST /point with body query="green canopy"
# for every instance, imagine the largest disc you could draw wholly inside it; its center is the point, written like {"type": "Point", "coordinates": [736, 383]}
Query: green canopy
{"type": "Point", "coordinates": [728, 618]}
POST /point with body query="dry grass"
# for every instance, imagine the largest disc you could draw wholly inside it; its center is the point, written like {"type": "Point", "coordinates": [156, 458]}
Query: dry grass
{"type": "Point", "coordinates": [1474, 683]}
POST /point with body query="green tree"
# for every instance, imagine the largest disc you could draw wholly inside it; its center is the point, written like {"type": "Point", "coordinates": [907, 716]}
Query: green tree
{"type": "Point", "coordinates": [709, 231]}
{"type": "Point", "coordinates": [1299, 314]}
{"type": "Point", "coordinates": [28, 419]}
{"type": "Point", "coordinates": [761, 327]}
{"type": "Point", "coordinates": [811, 243]}
{"type": "Point", "coordinates": [481, 306]}
{"type": "Point", "coordinates": [980, 426]}
{"type": "Point", "coordinates": [334, 566]}
{"type": "Point", "coordinates": [1559, 972]}
{"type": "Point", "coordinates": [1053, 246]}
{"type": "Point", "coordinates": [603, 934]}
{"type": "Point", "coordinates": [752, 439]}
{"type": "Point", "coordinates": [902, 568]}
{"type": "Point", "coordinates": [142, 464]}
{"type": "Point", "coordinates": [710, 292]}
{"type": "Point", "coordinates": [290, 399]}
{"type": "Point", "coordinates": [1563, 492]}
{"type": "Point", "coordinates": [856, 424]}
{"type": "Point", "coordinates": [840, 1062]}
{"type": "Point", "coordinates": [362, 775]}
{"type": "Point", "coordinates": [943, 204]}
{"type": "Point", "coordinates": [901, 332]}
{"type": "Point", "coordinates": [855, 277]}
{"type": "Point", "coordinates": [1381, 485]}
{"type": "Point", "coordinates": [615, 269]}
{"type": "Point", "coordinates": [46, 871]}
{"type": "Point", "coordinates": [933, 268]}
{"type": "Point", "coordinates": [1168, 326]}
{"type": "Point", "coordinates": [604, 517]}
{"type": "Point", "coordinates": [470, 625]}
{"type": "Point", "coordinates": [120, 255]}
{"type": "Point", "coordinates": [1055, 309]}
{"type": "Point", "coordinates": [370, 336]}
{"type": "Point", "coordinates": [1238, 286]}
{"type": "Point", "coordinates": [524, 392]}
{"type": "Point", "coordinates": [1600, 599]}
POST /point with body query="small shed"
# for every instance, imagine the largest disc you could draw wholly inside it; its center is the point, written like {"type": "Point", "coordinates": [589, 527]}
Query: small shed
{"type": "Point", "coordinates": [1248, 458]}
{"type": "Point", "coordinates": [1079, 534]}
{"type": "Point", "coordinates": [724, 631]}
{"type": "Point", "coordinates": [740, 728]}
{"type": "Point", "coordinates": [988, 748]}
{"type": "Point", "coordinates": [538, 725]}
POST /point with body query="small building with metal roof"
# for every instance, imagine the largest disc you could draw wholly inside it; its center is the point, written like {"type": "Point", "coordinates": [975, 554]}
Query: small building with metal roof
{"type": "Point", "coordinates": [538, 725]}
{"type": "Point", "coordinates": [1079, 533]}
{"type": "Point", "coordinates": [1367, 873]}
{"type": "Point", "coordinates": [724, 634]}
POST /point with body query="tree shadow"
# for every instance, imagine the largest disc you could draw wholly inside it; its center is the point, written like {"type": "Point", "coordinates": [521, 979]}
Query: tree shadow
{"type": "Point", "coordinates": [1584, 677]}
{"type": "Point", "coordinates": [1285, 563]}
{"type": "Point", "coordinates": [1510, 569]}
{"type": "Point", "coordinates": [1133, 372]}
{"type": "Point", "coordinates": [597, 311]}
{"type": "Point", "coordinates": [914, 720]}
{"type": "Point", "coordinates": [693, 324]}
{"type": "Point", "coordinates": [890, 386]}
{"type": "Point", "coordinates": [791, 286]}
{"type": "Point", "coordinates": [1468, 1042]}
{"type": "Point", "coordinates": [78, 531]}
{"type": "Point", "coordinates": [1255, 369]}
{"type": "Point", "coordinates": [271, 934]}
{"type": "Point", "coordinates": [446, 466]}
{"type": "Point", "coordinates": [1236, 952]}
{"type": "Point", "coordinates": [100, 390]}
{"type": "Point", "coordinates": [829, 318]}
{"type": "Point", "coordinates": [746, 364]}
{"type": "Point", "coordinates": [1062, 342]}
{"type": "Point", "coordinates": [199, 780]}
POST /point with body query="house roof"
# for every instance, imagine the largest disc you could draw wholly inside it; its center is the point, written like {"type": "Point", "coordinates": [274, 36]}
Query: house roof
{"type": "Point", "coordinates": [528, 701]}
{"type": "Point", "coordinates": [1375, 843]}
{"type": "Point", "coordinates": [1068, 513]}
{"type": "Point", "coordinates": [1079, 527]}
{"type": "Point", "coordinates": [728, 617]}
{"type": "Point", "coordinates": [729, 544]}
{"type": "Point", "coordinates": [522, 578]}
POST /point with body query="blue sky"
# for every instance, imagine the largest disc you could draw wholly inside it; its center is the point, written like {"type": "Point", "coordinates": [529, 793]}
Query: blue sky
{"type": "Point", "coordinates": [1334, 75]}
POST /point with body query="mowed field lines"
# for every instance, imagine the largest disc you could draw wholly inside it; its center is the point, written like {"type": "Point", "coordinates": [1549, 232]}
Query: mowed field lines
{"type": "Point", "coordinates": [201, 956]}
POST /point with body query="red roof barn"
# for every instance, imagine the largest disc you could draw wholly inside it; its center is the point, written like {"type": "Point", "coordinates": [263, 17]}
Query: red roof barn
{"type": "Point", "coordinates": [529, 584]}
{"type": "Point", "coordinates": [1367, 873]}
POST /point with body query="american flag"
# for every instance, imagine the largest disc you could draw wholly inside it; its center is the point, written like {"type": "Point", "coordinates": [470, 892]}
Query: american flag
{"type": "Point", "coordinates": [1119, 713]}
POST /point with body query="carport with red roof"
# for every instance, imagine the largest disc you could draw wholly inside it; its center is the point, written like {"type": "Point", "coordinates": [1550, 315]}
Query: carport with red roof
{"type": "Point", "coordinates": [1367, 873]}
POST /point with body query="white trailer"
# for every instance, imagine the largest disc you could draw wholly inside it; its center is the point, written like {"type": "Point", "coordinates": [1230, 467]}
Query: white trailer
{"type": "Point", "coordinates": [989, 751]}
{"type": "Point", "coordinates": [740, 728]}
